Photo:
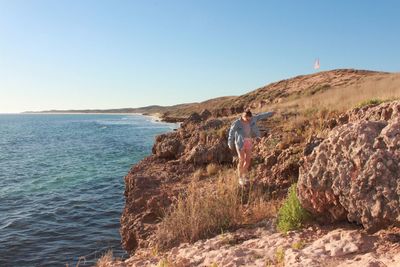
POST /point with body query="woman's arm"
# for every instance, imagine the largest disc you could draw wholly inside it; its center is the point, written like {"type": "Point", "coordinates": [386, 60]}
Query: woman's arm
{"type": "Point", "coordinates": [261, 116]}
{"type": "Point", "coordinates": [231, 134]}
{"type": "Point", "coordinates": [264, 115]}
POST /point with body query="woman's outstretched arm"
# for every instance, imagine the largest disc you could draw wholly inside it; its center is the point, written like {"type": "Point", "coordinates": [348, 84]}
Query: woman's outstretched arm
{"type": "Point", "coordinates": [264, 115]}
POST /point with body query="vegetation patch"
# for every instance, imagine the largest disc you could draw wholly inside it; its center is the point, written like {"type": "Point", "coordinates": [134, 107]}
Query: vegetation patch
{"type": "Point", "coordinates": [104, 260]}
{"type": "Point", "coordinates": [200, 213]}
{"type": "Point", "coordinates": [370, 102]}
{"type": "Point", "coordinates": [280, 256]}
{"type": "Point", "coordinates": [212, 169]}
{"type": "Point", "coordinates": [292, 215]}
{"type": "Point", "coordinates": [208, 208]}
{"type": "Point", "coordinates": [298, 245]}
{"type": "Point", "coordinates": [318, 89]}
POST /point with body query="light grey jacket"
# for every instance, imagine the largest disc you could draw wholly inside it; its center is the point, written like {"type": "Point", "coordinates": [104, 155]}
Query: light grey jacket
{"type": "Point", "coordinates": [236, 132]}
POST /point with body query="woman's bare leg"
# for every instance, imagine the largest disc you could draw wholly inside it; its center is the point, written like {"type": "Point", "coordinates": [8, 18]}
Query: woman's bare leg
{"type": "Point", "coordinates": [247, 161]}
{"type": "Point", "coordinates": [241, 163]}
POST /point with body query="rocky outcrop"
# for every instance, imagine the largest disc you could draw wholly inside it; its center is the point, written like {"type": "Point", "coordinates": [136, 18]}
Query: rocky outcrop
{"type": "Point", "coordinates": [224, 112]}
{"type": "Point", "coordinates": [312, 143]}
{"type": "Point", "coordinates": [276, 163]}
{"type": "Point", "coordinates": [205, 114]}
{"type": "Point", "coordinates": [168, 146]}
{"type": "Point", "coordinates": [264, 246]}
{"type": "Point", "coordinates": [150, 186]}
{"type": "Point", "coordinates": [354, 174]}
{"type": "Point", "coordinates": [154, 183]}
{"type": "Point", "coordinates": [349, 175]}
{"type": "Point", "coordinates": [279, 169]}
{"type": "Point", "coordinates": [193, 118]}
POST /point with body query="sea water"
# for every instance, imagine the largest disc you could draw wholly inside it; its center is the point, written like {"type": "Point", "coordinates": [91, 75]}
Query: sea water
{"type": "Point", "coordinates": [62, 184]}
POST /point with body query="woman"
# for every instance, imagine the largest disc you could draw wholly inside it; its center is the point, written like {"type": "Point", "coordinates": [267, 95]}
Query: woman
{"type": "Point", "coordinates": [240, 136]}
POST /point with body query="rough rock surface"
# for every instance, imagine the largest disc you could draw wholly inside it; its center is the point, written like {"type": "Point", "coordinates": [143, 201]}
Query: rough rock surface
{"type": "Point", "coordinates": [205, 114]}
{"type": "Point", "coordinates": [153, 184]}
{"type": "Point", "coordinates": [149, 187]}
{"type": "Point", "coordinates": [355, 172]}
{"type": "Point", "coordinates": [276, 168]}
{"type": "Point", "coordinates": [262, 246]}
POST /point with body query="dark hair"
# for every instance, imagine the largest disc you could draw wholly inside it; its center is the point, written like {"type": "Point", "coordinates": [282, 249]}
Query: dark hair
{"type": "Point", "coordinates": [248, 113]}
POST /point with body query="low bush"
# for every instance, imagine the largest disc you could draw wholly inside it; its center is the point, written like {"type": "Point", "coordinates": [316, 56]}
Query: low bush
{"type": "Point", "coordinates": [369, 102]}
{"type": "Point", "coordinates": [292, 215]}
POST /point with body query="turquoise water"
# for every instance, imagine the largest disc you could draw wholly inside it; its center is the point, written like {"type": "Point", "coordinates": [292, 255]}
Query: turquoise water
{"type": "Point", "coordinates": [61, 184]}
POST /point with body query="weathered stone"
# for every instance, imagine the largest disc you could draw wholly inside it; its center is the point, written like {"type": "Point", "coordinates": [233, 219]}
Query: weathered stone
{"type": "Point", "coordinates": [211, 124]}
{"type": "Point", "coordinates": [311, 144]}
{"type": "Point", "coordinates": [205, 114]}
{"type": "Point", "coordinates": [355, 172]}
{"type": "Point", "coordinates": [167, 146]}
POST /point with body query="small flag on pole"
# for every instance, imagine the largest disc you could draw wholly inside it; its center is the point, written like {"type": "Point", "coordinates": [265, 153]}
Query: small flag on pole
{"type": "Point", "coordinates": [316, 64]}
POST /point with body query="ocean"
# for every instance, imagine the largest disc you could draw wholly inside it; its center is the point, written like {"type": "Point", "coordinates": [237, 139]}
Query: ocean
{"type": "Point", "coordinates": [62, 184]}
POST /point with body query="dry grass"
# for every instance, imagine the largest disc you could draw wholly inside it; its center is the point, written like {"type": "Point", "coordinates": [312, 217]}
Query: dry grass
{"type": "Point", "coordinates": [208, 209]}
{"type": "Point", "coordinates": [261, 208]}
{"type": "Point", "coordinates": [280, 256]}
{"type": "Point", "coordinates": [201, 212]}
{"type": "Point", "coordinates": [105, 260]}
{"type": "Point", "coordinates": [198, 175]}
{"type": "Point", "coordinates": [342, 98]}
{"type": "Point", "coordinates": [212, 169]}
{"type": "Point", "coordinates": [307, 114]}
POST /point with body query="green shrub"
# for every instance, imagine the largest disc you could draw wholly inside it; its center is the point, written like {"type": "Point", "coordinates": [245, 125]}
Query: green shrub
{"type": "Point", "coordinates": [291, 215]}
{"type": "Point", "coordinates": [374, 101]}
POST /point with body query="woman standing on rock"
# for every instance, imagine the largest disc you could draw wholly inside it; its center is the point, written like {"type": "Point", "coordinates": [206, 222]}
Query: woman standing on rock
{"type": "Point", "coordinates": [240, 137]}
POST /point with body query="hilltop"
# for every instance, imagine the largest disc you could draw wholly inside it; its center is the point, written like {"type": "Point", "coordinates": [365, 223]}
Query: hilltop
{"type": "Point", "coordinates": [312, 88]}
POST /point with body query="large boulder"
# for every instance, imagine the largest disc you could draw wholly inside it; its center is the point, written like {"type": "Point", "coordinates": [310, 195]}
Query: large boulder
{"type": "Point", "coordinates": [205, 114]}
{"type": "Point", "coordinates": [205, 154]}
{"type": "Point", "coordinates": [211, 124]}
{"type": "Point", "coordinates": [168, 146]}
{"type": "Point", "coordinates": [193, 119]}
{"type": "Point", "coordinates": [354, 174]}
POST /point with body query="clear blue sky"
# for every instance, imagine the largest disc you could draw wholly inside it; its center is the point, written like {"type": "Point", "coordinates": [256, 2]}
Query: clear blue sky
{"type": "Point", "coordinates": [77, 54]}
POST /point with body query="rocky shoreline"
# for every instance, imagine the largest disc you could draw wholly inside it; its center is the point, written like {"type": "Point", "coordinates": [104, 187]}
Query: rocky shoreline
{"type": "Point", "coordinates": [346, 167]}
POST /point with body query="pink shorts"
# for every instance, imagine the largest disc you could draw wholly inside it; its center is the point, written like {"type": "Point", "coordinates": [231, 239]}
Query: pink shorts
{"type": "Point", "coordinates": [247, 145]}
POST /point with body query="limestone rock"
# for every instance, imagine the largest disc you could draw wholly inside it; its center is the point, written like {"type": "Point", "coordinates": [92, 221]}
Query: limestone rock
{"type": "Point", "coordinates": [355, 172]}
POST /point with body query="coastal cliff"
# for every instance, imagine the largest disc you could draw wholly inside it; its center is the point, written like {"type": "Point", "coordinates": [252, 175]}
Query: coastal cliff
{"type": "Point", "coordinates": [305, 143]}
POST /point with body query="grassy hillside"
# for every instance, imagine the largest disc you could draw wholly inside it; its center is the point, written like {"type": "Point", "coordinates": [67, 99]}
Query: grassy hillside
{"type": "Point", "coordinates": [336, 90]}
